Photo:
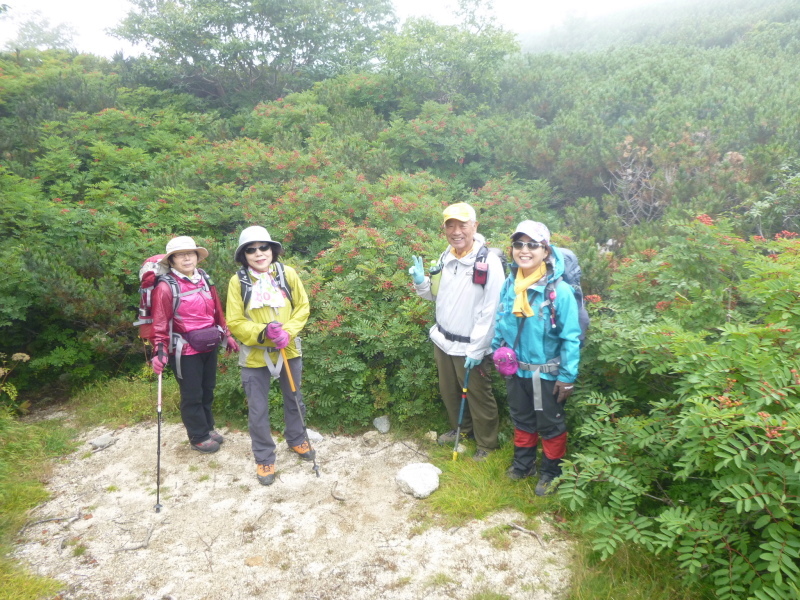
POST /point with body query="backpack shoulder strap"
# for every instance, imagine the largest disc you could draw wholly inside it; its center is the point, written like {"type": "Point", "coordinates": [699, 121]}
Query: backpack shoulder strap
{"type": "Point", "coordinates": [208, 283]}
{"type": "Point", "coordinates": [281, 273]}
{"type": "Point", "coordinates": [550, 299]}
{"type": "Point", "coordinates": [246, 286]}
{"type": "Point", "coordinates": [174, 287]}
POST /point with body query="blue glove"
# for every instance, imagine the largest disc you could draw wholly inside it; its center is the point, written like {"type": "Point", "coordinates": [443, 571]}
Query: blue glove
{"type": "Point", "coordinates": [417, 271]}
{"type": "Point", "coordinates": [471, 362]}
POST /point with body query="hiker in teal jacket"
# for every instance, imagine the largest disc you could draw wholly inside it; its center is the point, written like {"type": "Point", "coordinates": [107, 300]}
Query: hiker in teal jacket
{"type": "Point", "coordinates": [547, 347]}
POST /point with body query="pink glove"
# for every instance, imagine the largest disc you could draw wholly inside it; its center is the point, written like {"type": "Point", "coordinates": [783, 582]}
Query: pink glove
{"type": "Point", "coordinates": [159, 362]}
{"type": "Point", "coordinates": [278, 336]}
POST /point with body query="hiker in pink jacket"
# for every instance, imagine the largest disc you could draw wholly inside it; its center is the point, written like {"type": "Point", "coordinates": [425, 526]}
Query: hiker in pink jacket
{"type": "Point", "coordinates": [189, 326]}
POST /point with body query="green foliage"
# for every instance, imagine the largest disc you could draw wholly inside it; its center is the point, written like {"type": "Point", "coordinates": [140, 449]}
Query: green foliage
{"type": "Point", "coordinates": [447, 64]}
{"type": "Point", "coordinates": [362, 359]}
{"type": "Point", "coordinates": [696, 452]}
{"type": "Point", "coordinates": [8, 391]}
{"type": "Point", "coordinates": [256, 50]}
{"type": "Point", "coordinates": [36, 32]}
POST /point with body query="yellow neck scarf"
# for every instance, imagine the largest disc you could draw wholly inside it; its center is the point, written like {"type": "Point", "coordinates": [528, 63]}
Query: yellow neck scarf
{"type": "Point", "coordinates": [463, 254]}
{"type": "Point", "coordinates": [522, 307]}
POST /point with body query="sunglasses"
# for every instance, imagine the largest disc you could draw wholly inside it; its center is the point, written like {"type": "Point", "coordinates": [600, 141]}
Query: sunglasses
{"type": "Point", "coordinates": [252, 250]}
{"type": "Point", "coordinates": [528, 245]}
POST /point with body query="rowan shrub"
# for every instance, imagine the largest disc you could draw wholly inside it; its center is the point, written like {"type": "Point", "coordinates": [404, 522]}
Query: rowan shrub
{"type": "Point", "coordinates": [691, 448]}
{"type": "Point", "coordinates": [367, 350]}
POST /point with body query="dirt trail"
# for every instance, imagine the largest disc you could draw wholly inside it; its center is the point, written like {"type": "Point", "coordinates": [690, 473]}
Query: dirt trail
{"type": "Point", "coordinates": [221, 535]}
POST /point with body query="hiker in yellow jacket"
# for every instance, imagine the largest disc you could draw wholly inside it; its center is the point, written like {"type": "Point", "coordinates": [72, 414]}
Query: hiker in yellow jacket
{"type": "Point", "coordinates": [267, 307]}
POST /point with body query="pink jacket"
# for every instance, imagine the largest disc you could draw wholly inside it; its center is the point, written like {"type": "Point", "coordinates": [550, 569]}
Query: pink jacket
{"type": "Point", "coordinates": [196, 311]}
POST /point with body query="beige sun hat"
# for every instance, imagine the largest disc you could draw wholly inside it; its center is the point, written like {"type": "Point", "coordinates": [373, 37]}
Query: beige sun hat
{"type": "Point", "coordinates": [255, 233]}
{"type": "Point", "coordinates": [183, 243]}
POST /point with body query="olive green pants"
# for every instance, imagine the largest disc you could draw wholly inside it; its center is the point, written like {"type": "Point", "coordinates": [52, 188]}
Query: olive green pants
{"type": "Point", "coordinates": [480, 412]}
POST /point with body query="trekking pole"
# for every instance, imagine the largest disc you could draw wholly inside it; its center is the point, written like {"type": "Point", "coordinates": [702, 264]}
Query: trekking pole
{"type": "Point", "coordinates": [158, 451]}
{"type": "Point", "coordinates": [300, 412]}
{"type": "Point", "coordinates": [461, 414]}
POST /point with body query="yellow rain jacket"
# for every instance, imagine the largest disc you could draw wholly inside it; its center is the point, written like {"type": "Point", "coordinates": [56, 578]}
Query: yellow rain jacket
{"type": "Point", "coordinates": [292, 316]}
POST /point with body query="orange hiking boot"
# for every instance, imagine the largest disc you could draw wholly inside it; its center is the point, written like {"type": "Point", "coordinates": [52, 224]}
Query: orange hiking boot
{"type": "Point", "coordinates": [265, 474]}
{"type": "Point", "coordinates": [304, 451]}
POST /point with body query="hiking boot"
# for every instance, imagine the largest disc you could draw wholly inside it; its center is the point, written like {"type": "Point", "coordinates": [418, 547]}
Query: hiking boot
{"type": "Point", "coordinates": [545, 487]}
{"type": "Point", "coordinates": [449, 438]}
{"type": "Point", "coordinates": [265, 474]}
{"type": "Point", "coordinates": [216, 437]}
{"type": "Point", "coordinates": [480, 455]}
{"type": "Point", "coordinates": [516, 474]}
{"type": "Point", "coordinates": [206, 447]}
{"type": "Point", "coordinates": [304, 451]}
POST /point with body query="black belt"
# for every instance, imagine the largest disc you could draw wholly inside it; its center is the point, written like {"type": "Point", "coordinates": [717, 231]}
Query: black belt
{"type": "Point", "coordinates": [452, 337]}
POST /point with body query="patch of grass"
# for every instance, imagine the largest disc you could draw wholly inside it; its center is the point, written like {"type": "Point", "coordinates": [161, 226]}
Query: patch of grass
{"type": "Point", "coordinates": [470, 490]}
{"type": "Point", "coordinates": [125, 401]}
{"type": "Point", "coordinates": [630, 574]}
{"type": "Point", "coordinates": [213, 464]}
{"type": "Point", "coordinates": [498, 537]}
{"type": "Point", "coordinates": [488, 595]}
{"type": "Point", "coordinates": [398, 583]}
{"type": "Point", "coordinates": [18, 584]}
{"type": "Point", "coordinates": [193, 468]}
{"type": "Point", "coordinates": [439, 580]}
{"type": "Point", "coordinates": [205, 477]}
{"type": "Point", "coordinates": [79, 550]}
{"type": "Point", "coordinates": [112, 488]}
{"type": "Point", "coordinates": [25, 450]}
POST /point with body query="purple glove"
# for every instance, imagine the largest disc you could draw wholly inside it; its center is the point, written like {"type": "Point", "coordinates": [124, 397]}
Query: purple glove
{"type": "Point", "coordinates": [231, 347]}
{"type": "Point", "coordinates": [159, 362]}
{"type": "Point", "coordinates": [278, 336]}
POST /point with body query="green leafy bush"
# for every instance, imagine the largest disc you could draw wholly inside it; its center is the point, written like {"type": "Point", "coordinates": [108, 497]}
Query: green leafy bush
{"type": "Point", "coordinates": [691, 446]}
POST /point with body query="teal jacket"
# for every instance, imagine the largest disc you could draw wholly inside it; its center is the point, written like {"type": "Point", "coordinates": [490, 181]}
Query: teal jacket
{"type": "Point", "coordinates": [540, 342]}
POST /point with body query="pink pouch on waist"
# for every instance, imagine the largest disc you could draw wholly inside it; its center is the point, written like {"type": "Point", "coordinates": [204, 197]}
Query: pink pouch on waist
{"type": "Point", "coordinates": [505, 361]}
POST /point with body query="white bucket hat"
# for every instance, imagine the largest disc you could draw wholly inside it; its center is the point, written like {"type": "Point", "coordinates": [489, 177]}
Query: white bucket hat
{"type": "Point", "coordinates": [256, 233]}
{"type": "Point", "coordinates": [183, 243]}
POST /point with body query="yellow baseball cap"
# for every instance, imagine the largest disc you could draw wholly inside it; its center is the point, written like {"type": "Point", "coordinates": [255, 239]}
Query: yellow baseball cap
{"type": "Point", "coordinates": [461, 211]}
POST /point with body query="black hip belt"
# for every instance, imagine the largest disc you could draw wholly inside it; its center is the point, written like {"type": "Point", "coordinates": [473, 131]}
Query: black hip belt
{"type": "Point", "coordinates": [452, 337]}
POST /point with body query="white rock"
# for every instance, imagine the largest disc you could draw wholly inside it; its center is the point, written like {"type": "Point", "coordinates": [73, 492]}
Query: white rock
{"type": "Point", "coordinates": [314, 436]}
{"type": "Point", "coordinates": [104, 441]}
{"type": "Point", "coordinates": [431, 436]}
{"type": "Point", "coordinates": [418, 479]}
{"type": "Point", "coordinates": [382, 424]}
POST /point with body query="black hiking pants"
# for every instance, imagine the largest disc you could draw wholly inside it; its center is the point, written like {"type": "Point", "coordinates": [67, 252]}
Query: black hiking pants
{"type": "Point", "coordinates": [197, 393]}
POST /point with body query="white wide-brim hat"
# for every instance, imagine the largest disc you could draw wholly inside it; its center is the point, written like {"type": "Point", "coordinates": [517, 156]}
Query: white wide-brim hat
{"type": "Point", "coordinates": [256, 233]}
{"type": "Point", "coordinates": [183, 243]}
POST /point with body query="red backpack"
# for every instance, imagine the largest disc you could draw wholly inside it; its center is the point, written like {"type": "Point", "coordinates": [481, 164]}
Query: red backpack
{"type": "Point", "coordinates": [151, 273]}
{"type": "Point", "coordinates": [149, 276]}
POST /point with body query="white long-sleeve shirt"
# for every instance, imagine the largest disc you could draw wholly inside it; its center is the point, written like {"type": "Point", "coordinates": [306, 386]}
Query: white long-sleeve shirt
{"type": "Point", "coordinates": [464, 308]}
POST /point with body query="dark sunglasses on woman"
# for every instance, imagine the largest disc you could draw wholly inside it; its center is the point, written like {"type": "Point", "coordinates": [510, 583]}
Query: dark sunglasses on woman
{"type": "Point", "coordinates": [528, 245]}
{"type": "Point", "coordinates": [252, 250]}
